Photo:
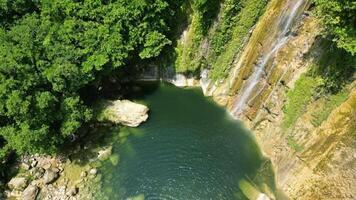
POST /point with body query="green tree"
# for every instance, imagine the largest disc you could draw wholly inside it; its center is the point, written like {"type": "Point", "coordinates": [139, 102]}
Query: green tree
{"type": "Point", "coordinates": [51, 49]}
{"type": "Point", "coordinates": [340, 20]}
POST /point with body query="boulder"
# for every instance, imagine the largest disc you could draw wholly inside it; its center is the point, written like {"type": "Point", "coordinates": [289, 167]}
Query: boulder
{"type": "Point", "coordinates": [34, 163]}
{"type": "Point", "coordinates": [30, 193]}
{"type": "Point", "coordinates": [37, 172]}
{"type": "Point", "coordinates": [18, 183]}
{"type": "Point", "coordinates": [49, 176]}
{"type": "Point", "coordinates": [83, 174]}
{"type": "Point", "coordinates": [105, 153]}
{"type": "Point", "coordinates": [73, 191]}
{"type": "Point", "coordinates": [93, 171]}
{"type": "Point", "coordinates": [124, 112]}
{"type": "Point", "coordinates": [25, 166]}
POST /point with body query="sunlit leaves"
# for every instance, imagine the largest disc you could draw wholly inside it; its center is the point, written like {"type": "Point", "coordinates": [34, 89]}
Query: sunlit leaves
{"type": "Point", "coordinates": [74, 113]}
{"type": "Point", "coordinates": [339, 18]}
{"type": "Point", "coordinates": [153, 45]}
{"type": "Point", "coordinates": [51, 49]}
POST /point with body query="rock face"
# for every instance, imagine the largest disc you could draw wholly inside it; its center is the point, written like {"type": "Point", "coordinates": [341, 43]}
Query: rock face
{"type": "Point", "coordinates": [37, 172]}
{"type": "Point", "coordinates": [18, 183]}
{"type": "Point", "coordinates": [105, 153]}
{"type": "Point", "coordinates": [180, 80]}
{"type": "Point", "coordinates": [324, 166]}
{"type": "Point", "coordinates": [50, 176]}
{"type": "Point", "coordinates": [73, 191]}
{"type": "Point", "coordinates": [124, 112]}
{"type": "Point", "coordinates": [30, 193]}
{"type": "Point", "coordinates": [93, 171]}
{"type": "Point", "coordinates": [155, 73]}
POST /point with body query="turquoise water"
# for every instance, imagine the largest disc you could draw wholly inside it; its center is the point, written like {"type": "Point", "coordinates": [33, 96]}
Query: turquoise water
{"type": "Point", "coordinates": [190, 148]}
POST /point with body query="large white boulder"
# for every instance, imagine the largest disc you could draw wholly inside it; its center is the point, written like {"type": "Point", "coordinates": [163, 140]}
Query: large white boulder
{"type": "Point", "coordinates": [124, 112]}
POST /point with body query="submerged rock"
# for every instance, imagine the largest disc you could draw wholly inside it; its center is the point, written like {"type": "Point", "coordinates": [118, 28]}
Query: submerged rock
{"type": "Point", "coordinates": [30, 193]}
{"type": "Point", "coordinates": [105, 153]}
{"type": "Point", "coordinates": [124, 112]}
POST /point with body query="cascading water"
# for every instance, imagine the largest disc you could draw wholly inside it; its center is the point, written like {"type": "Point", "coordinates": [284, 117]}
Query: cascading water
{"type": "Point", "coordinates": [286, 20]}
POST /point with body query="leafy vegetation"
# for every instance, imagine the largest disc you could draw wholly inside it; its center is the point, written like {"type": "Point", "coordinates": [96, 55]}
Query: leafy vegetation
{"type": "Point", "coordinates": [340, 19]}
{"type": "Point", "coordinates": [202, 12]}
{"type": "Point", "coordinates": [299, 97]}
{"type": "Point", "coordinates": [294, 145]}
{"type": "Point", "coordinates": [332, 71]}
{"type": "Point", "coordinates": [329, 104]}
{"type": "Point", "coordinates": [336, 67]}
{"type": "Point", "coordinates": [226, 37]}
{"type": "Point", "coordinates": [51, 50]}
{"type": "Point", "coordinates": [323, 86]}
{"type": "Point", "coordinates": [228, 40]}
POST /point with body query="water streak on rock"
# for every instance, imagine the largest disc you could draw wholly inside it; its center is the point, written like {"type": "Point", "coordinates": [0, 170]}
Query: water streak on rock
{"type": "Point", "coordinates": [286, 22]}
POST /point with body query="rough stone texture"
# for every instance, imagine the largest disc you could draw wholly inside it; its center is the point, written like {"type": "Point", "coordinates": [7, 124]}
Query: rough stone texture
{"type": "Point", "coordinates": [30, 193]}
{"type": "Point", "coordinates": [50, 176]}
{"type": "Point", "coordinates": [25, 166]}
{"type": "Point", "coordinates": [73, 191]}
{"type": "Point", "coordinates": [325, 168]}
{"type": "Point", "coordinates": [125, 112]}
{"type": "Point", "coordinates": [181, 80]}
{"type": "Point", "coordinates": [18, 183]}
{"type": "Point", "coordinates": [93, 171]}
{"type": "Point", "coordinates": [105, 153]}
{"type": "Point", "coordinates": [37, 172]}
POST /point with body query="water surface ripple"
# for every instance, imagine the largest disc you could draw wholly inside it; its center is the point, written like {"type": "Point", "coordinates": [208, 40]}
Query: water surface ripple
{"type": "Point", "coordinates": [189, 149]}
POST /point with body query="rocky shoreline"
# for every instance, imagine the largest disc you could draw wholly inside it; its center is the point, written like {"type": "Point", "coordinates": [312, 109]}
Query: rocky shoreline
{"type": "Point", "coordinates": [66, 178]}
{"type": "Point", "coordinates": [49, 178]}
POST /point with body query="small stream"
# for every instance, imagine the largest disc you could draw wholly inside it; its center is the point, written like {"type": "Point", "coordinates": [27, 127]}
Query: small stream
{"type": "Point", "coordinates": [190, 148]}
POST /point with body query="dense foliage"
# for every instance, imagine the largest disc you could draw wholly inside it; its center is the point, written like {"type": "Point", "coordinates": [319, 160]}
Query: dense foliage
{"type": "Point", "coordinates": [238, 18]}
{"type": "Point", "coordinates": [51, 49]}
{"type": "Point", "coordinates": [214, 44]}
{"type": "Point", "coordinates": [340, 20]}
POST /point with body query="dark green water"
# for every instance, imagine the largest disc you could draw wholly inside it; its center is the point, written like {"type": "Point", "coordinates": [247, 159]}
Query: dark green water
{"type": "Point", "coordinates": [190, 148]}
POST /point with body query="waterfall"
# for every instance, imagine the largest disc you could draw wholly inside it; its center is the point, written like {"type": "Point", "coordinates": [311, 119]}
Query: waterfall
{"type": "Point", "coordinates": [286, 22]}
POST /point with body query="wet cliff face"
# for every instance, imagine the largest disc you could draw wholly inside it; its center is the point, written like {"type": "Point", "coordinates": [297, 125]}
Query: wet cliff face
{"type": "Point", "coordinates": [259, 67]}
{"type": "Point", "coordinates": [313, 151]}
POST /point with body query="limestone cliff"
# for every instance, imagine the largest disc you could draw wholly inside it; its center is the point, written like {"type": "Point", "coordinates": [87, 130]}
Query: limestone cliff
{"type": "Point", "coordinates": [325, 166]}
{"type": "Point", "coordinates": [313, 159]}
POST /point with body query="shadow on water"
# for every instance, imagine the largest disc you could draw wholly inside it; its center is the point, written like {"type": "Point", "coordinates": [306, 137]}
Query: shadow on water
{"type": "Point", "coordinates": [190, 148]}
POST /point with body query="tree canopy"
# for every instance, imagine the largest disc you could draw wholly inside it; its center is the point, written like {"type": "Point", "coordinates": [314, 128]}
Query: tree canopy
{"type": "Point", "coordinates": [50, 49]}
{"type": "Point", "coordinates": [340, 20]}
